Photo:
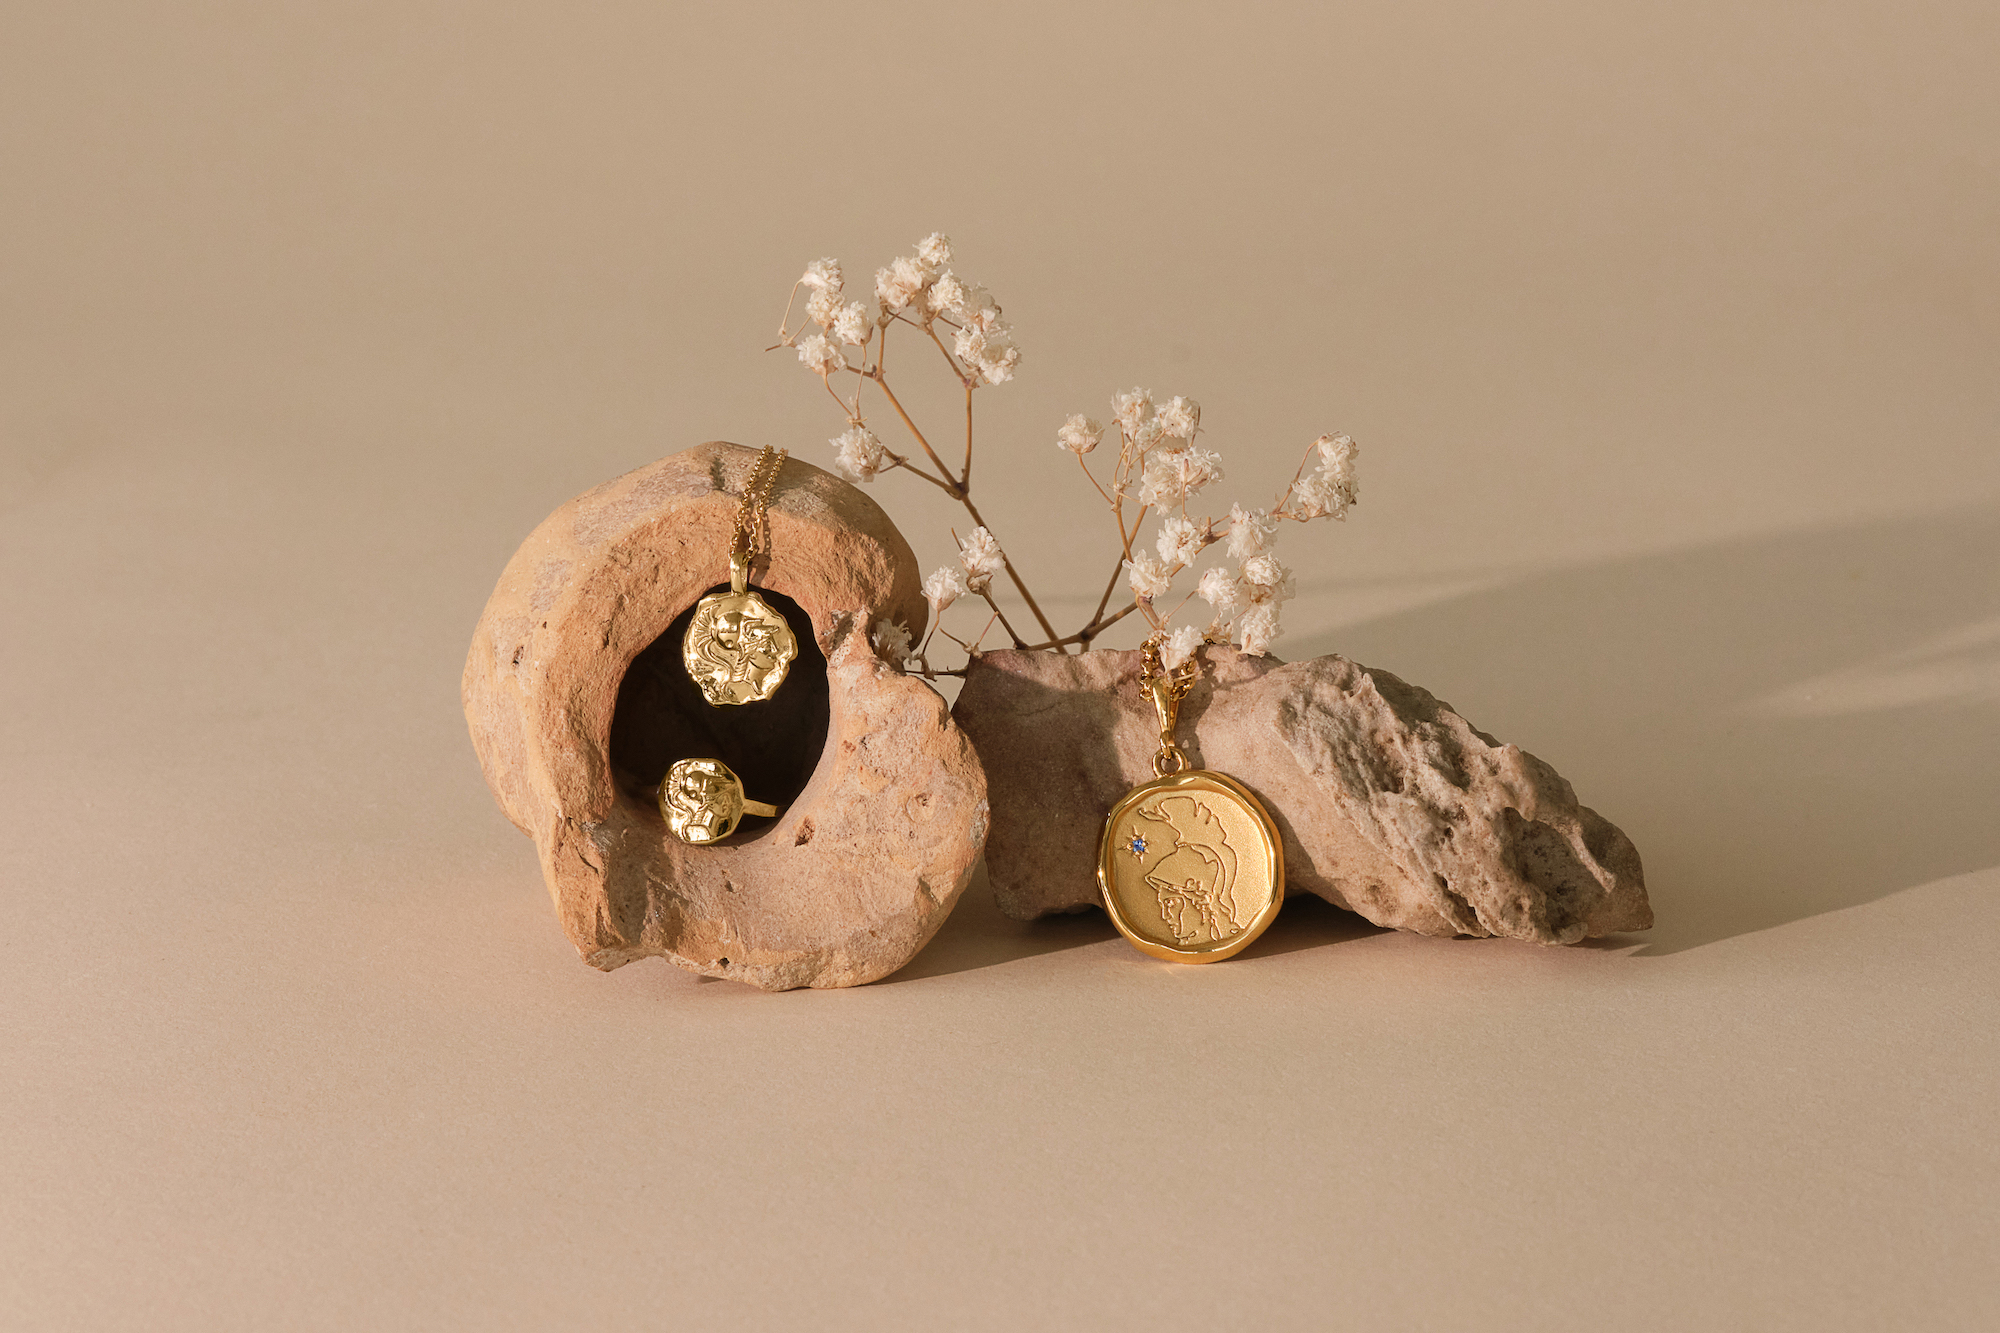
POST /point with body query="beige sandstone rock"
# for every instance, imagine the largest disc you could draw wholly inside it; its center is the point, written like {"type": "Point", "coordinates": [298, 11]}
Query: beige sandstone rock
{"type": "Point", "coordinates": [1391, 805]}
{"type": "Point", "coordinates": [577, 704]}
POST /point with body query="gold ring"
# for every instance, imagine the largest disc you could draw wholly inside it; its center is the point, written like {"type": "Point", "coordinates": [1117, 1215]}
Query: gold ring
{"type": "Point", "coordinates": [702, 801]}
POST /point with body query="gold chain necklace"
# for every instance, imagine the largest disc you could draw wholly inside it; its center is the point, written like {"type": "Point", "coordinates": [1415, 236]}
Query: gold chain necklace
{"type": "Point", "coordinates": [737, 648]}
{"type": "Point", "coordinates": [1191, 864]}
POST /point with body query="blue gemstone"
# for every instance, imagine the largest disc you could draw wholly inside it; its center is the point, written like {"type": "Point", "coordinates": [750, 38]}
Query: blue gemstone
{"type": "Point", "coordinates": [1138, 846]}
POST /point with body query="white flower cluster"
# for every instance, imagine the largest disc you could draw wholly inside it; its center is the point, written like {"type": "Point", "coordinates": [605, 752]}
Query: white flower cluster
{"type": "Point", "coordinates": [1179, 646]}
{"type": "Point", "coordinates": [980, 559]}
{"type": "Point", "coordinates": [1330, 489]}
{"type": "Point", "coordinates": [1246, 603]}
{"type": "Point", "coordinates": [1158, 447]}
{"type": "Point", "coordinates": [1180, 540]}
{"type": "Point", "coordinates": [1173, 476]}
{"type": "Point", "coordinates": [922, 284]}
{"type": "Point", "coordinates": [925, 282]}
{"type": "Point", "coordinates": [821, 354]}
{"type": "Point", "coordinates": [848, 322]}
{"type": "Point", "coordinates": [944, 587]}
{"type": "Point", "coordinates": [858, 455]}
{"type": "Point", "coordinates": [1079, 434]}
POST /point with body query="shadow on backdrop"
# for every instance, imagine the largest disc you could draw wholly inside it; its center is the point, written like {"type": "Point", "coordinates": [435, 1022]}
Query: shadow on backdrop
{"type": "Point", "coordinates": [1785, 725]}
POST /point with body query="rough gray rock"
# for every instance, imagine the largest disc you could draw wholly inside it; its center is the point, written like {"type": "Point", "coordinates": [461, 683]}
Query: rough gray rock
{"type": "Point", "coordinates": [1391, 804]}
{"type": "Point", "coordinates": [577, 703]}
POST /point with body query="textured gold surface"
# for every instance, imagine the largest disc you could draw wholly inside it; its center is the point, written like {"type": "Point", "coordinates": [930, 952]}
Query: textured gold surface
{"type": "Point", "coordinates": [1191, 867]}
{"type": "Point", "coordinates": [702, 800]}
{"type": "Point", "coordinates": [737, 648]}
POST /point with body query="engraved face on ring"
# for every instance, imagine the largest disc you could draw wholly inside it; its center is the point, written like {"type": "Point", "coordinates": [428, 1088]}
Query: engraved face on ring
{"type": "Point", "coordinates": [702, 800]}
{"type": "Point", "coordinates": [737, 648]}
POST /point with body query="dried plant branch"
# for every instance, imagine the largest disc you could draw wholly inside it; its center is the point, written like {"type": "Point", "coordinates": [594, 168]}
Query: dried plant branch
{"type": "Point", "coordinates": [1158, 466]}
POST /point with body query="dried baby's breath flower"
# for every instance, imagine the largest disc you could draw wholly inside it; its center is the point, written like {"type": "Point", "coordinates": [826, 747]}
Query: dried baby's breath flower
{"type": "Point", "coordinates": [1180, 540]}
{"type": "Point", "coordinates": [1250, 532]}
{"type": "Point", "coordinates": [1148, 577]}
{"type": "Point", "coordinates": [891, 639]}
{"type": "Point", "coordinates": [820, 355]}
{"type": "Point", "coordinates": [858, 455]}
{"type": "Point", "coordinates": [823, 275]}
{"type": "Point", "coordinates": [979, 307]}
{"type": "Point", "coordinates": [999, 356]}
{"type": "Point", "coordinates": [1180, 418]}
{"type": "Point", "coordinates": [1317, 496]}
{"type": "Point", "coordinates": [1258, 627]}
{"type": "Point", "coordinates": [947, 294]}
{"type": "Point", "coordinates": [823, 307]}
{"type": "Point", "coordinates": [1171, 478]}
{"type": "Point", "coordinates": [1132, 407]}
{"type": "Point", "coordinates": [853, 326]}
{"type": "Point", "coordinates": [1329, 492]}
{"type": "Point", "coordinates": [1179, 646]}
{"type": "Point", "coordinates": [1219, 588]}
{"type": "Point", "coordinates": [902, 282]}
{"type": "Point", "coordinates": [990, 350]}
{"type": "Point", "coordinates": [1266, 577]}
{"type": "Point", "coordinates": [944, 587]}
{"type": "Point", "coordinates": [1079, 434]}
{"type": "Point", "coordinates": [935, 249]}
{"type": "Point", "coordinates": [1160, 485]}
{"type": "Point", "coordinates": [982, 558]}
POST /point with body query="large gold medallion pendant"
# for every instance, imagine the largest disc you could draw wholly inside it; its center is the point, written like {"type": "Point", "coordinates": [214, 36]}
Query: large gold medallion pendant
{"type": "Point", "coordinates": [1191, 866]}
{"type": "Point", "coordinates": [737, 648]}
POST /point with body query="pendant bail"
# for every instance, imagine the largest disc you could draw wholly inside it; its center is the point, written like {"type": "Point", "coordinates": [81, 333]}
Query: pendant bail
{"type": "Point", "coordinates": [1168, 688]}
{"type": "Point", "coordinates": [739, 571]}
{"type": "Point", "coordinates": [1167, 701]}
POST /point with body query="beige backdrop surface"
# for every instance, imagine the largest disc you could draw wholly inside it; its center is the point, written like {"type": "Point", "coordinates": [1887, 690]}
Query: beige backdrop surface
{"type": "Point", "coordinates": [1670, 337]}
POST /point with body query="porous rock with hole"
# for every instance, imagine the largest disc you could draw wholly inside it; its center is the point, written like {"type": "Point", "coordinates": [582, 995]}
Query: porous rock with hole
{"type": "Point", "coordinates": [576, 704]}
{"type": "Point", "coordinates": [1390, 804]}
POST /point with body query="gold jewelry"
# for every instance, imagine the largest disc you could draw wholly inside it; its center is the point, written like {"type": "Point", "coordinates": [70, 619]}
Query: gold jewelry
{"type": "Point", "coordinates": [737, 648]}
{"type": "Point", "coordinates": [702, 801]}
{"type": "Point", "coordinates": [1191, 866]}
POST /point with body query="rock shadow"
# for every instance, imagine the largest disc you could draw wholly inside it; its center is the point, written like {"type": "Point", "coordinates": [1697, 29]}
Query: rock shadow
{"type": "Point", "coordinates": [1786, 725]}
{"type": "Point", "coordinates": [978, 935]}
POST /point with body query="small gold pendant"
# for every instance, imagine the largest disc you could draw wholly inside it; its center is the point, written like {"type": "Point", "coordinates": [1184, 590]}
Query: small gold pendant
{"type": "Point", "coordinates": [1190, 864]}
{"type": "Point", "coordinates": [737, 648]}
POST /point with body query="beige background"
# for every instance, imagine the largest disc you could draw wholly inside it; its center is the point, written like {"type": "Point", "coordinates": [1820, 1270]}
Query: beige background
{"type": "Point", "coordinates": [1669, 333]}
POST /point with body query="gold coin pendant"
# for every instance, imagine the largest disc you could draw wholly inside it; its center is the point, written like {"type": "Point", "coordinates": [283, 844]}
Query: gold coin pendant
{"type": "Point", "coordinates": [1191, 867]}
{"type": "Point", "coordinates": [737, 648]}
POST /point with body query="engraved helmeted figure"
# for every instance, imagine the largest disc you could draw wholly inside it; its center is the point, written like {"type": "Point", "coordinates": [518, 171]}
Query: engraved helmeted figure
{"type": "Point", "coordinates": [1194, 881]}
{"type": "Point", "coordinates": [738, 648]}
{"type": "Point", "coordinates": [702, 800]}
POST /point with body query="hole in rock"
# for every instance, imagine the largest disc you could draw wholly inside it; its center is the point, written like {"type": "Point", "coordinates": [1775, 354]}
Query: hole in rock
{"type": "Point", "coordinates": [773, 745]}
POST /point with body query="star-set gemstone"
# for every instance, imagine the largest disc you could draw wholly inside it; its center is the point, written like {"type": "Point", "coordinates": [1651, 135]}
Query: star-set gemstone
{"type": "Point", "coordinates": [1137, 846]}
